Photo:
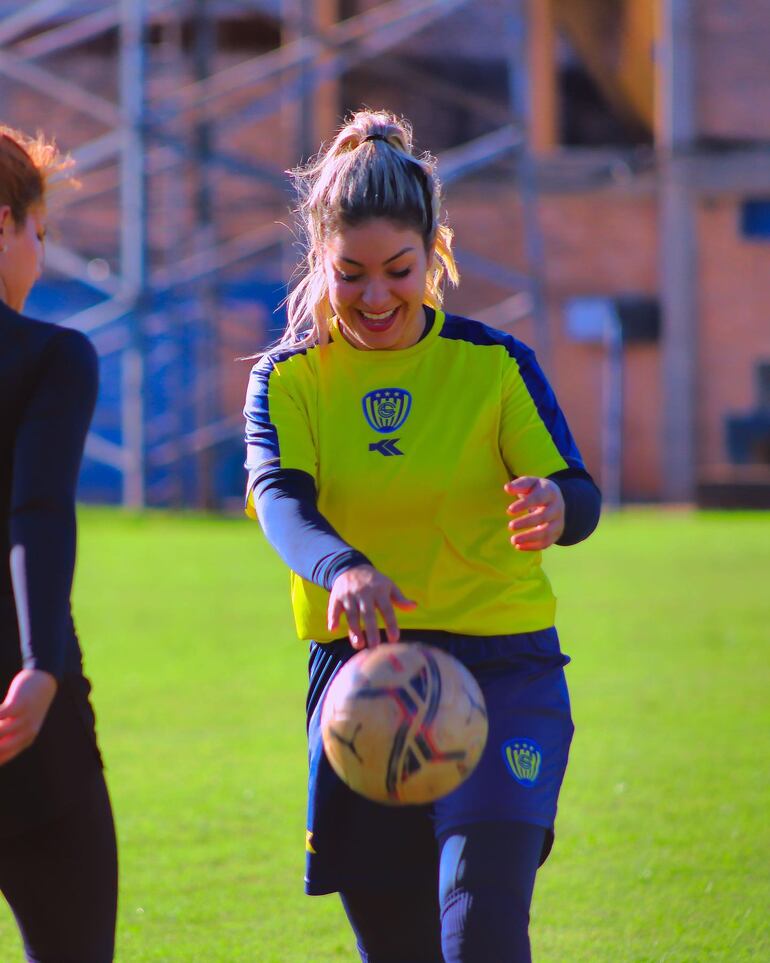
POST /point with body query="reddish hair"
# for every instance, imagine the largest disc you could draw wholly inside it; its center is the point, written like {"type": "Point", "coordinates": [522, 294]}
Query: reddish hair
{"type": "Point", "coordinates": [28, 165]}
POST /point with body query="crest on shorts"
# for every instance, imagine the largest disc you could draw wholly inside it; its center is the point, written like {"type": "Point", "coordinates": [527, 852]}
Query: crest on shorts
{"type": "Point", "coordinates": [523, 757]}
{"type": "Point", "coordinates": [386, 409]}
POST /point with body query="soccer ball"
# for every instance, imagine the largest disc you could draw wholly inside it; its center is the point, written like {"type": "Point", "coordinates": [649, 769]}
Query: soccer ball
{"type": "Point", "coordinates": [403, 723]}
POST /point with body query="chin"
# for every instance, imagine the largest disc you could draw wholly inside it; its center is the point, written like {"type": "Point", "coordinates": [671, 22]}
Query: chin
{"type": "Point", "coordinates": [383, 340]}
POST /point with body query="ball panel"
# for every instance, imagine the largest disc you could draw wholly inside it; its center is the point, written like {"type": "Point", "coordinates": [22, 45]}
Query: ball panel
{"type": "Point", "coordinates": [403, 723]}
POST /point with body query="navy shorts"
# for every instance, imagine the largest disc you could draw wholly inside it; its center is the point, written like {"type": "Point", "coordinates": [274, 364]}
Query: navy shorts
{"type": "Point", "coordinates": [351, 840]}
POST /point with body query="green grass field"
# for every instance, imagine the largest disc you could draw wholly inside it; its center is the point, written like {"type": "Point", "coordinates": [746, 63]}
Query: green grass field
{"type": "Point", "coordinates": [662, 839]}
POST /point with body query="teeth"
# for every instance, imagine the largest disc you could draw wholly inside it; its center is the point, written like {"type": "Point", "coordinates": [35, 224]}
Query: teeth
{"type": "Point", "coordinates": [378, 317]}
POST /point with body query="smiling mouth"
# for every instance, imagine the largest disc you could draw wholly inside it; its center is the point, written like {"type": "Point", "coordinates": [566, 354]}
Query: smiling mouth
{"type": "Point", "coordinates": [377, 322]}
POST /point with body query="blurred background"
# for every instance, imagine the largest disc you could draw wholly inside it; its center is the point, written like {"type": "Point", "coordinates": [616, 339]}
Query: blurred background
{"type": "Point", "coordinates": [607, 174]}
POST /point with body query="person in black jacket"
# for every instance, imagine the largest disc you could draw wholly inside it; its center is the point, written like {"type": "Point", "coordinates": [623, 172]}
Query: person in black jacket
{"type": "Point", "coordinates": [58, 855]}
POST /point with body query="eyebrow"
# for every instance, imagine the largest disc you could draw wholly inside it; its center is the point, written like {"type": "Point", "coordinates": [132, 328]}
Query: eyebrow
{"type": "Point", "coordinates": [349, 260]}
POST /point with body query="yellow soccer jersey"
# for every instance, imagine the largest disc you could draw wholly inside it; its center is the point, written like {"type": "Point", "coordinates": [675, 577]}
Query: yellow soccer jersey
{"type": "Point", "coordinates": [409, 451]}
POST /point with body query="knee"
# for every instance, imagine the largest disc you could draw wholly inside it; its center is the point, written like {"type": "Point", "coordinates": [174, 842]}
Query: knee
{"type": "Point", "coordinates": [486, 879]}
{"type": "Point", "coordinates": [477, 926]}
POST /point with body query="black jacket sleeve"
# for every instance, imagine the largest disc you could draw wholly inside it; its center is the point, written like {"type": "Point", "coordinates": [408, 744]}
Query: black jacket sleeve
{"type": "Point", "coordinates": [582, 504]}
{"type": "Point", "coordinates": [46, 462]}
{"type": "Point", "coordinates": [285, 501]}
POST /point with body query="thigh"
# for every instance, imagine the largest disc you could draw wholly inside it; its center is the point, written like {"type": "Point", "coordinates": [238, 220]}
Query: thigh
{"type": "Point", "coordinates": [520, 772]}
{"type": "Point", "coordinates": [487, 876]}
{"type": "Point", "coordinates": [396, 925]}
{"type": "Point", "coordinates": [60, 880]}
{"type": "Point", "coordinates": [351, 841]}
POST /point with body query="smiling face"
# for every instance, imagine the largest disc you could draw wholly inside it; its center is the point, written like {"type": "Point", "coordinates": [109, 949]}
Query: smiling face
{"type": "Point", "coordinates": [376, 274]}
{"type": "Point", "coordinates": [22, 261]}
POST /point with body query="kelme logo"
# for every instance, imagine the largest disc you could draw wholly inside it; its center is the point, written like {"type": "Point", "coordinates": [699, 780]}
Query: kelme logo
{"type": "Point", "coordinates": [523, 757]}
{"type": "Point", "coordinates": [386, 409]}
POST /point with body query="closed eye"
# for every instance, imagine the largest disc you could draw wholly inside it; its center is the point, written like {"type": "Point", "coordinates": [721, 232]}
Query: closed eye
{"type": "Point", "coordinates": [349, 278]}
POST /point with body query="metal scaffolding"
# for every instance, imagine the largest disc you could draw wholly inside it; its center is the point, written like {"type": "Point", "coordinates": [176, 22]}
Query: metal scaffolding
{"type": "Point", "coordinates": [177, 122]}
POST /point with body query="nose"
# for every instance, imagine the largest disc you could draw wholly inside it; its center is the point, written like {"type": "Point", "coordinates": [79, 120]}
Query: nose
{"type": "Point", "coordinates": [376, 294]}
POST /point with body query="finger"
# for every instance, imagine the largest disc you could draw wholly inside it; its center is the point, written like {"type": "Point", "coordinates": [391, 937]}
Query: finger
{"type": "Point", "coordinates": [538, 541]}
{"type": "Point", "coordinates": [333, 613]}
{"type": "Point", "coordinates": [528, 520]}
{"type": "Point", "coordinates": [352, 614]}
{"type": "Point", "coordinates": [11, 748]}
{"type": "Point", "coordinates": [525, 504]}
{"type": "Point", "coordinates": [539, 515]}
{"type": "Point", "coordinates": [533, 530]}
{"type": "Point", "coordinates": [390, 620]}
{"type": "Point", "coordinates": [521, 485]}
{"type": "Point", "coordinates": [536, 498]}
{"type": "Point", "coordinates": [13, 745]}
{"type": "Point", "coordinates": [531, 540]}
{"type": "Point", "coordinates": [11, 727]}
{"type": "Point", "coordinates": [371, 629]}
{"type": "Point", "coordinates": [400, 600]}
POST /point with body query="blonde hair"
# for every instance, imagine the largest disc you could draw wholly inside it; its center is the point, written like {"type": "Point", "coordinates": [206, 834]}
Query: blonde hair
{"type": "Point", "coordinates": [28, 167]}
{"type": "Point", "coordinates": [368, 171]}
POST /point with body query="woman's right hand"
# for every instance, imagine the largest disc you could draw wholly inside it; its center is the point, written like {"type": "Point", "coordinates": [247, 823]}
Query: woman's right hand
{"type": "Point", "coordinates": [360, 593]}
{"type": "Point", "coordinates": [23, 712]}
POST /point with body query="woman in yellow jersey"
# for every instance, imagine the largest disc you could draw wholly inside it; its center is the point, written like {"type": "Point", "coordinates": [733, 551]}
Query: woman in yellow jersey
{"type": "Point", "coordinates": [410, 466]}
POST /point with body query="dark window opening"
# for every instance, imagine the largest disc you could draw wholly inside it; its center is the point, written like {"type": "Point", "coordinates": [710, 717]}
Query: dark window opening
{"type": "Point", "coordinates": [755, 219]}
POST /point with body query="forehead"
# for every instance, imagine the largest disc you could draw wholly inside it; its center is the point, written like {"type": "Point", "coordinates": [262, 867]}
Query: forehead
{"type": "Point", "coordinates": [374, 241]}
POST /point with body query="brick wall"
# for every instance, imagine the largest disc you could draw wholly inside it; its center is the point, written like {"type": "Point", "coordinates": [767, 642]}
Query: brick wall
{"type": "Point", "coordinates": [732, 40]}
{"type": "Point", "coordinates": [595, 244]}
{"type": "Point", "coordinates": [734, 314]}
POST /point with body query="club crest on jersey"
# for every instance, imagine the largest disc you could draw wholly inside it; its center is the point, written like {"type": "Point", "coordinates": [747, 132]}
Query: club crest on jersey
{"type": "Point", "coordinates": [523, 757]}
{"type": "Point", "coordinates": [386, 409]}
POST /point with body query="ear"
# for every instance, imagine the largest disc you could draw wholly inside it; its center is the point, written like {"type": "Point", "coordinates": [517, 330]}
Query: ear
{"type": "Point", "coordinates": [6, 219]}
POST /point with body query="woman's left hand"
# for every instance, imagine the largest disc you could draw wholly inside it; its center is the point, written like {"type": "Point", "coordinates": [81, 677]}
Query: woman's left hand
{"type": "Point", "coordinates": [538, 513]}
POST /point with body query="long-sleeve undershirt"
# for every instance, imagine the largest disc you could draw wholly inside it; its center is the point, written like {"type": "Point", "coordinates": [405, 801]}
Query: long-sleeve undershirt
{"type": "Point", "coordinates": [49, 382]}
{"type": "Point", "coordinates": [286, 505]}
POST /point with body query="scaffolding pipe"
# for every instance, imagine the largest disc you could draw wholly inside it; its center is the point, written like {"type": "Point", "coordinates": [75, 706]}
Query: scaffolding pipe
{"type": "Point", "coordinates": [133, 245]}
{"type": "Point", "coordinates": [206, 403]}
{"type": "Point", "coordinates": [150, 130]}
{"type": "Point", "coordinates": [515, 25]}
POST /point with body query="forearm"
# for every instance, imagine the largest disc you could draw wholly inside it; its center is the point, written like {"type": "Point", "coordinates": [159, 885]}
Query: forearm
{"type": "Point", "coordinates": [42, 566]}
{"type": "Point", "coordinates": [285, 502]}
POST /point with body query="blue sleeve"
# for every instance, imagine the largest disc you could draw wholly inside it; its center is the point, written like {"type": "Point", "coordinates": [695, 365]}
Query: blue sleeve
{"type": "Point", "coordinates": [46, 462]}
{"type": "Point", "coordinates": [582, 504]}
{"type": "Point", "coordinates": [285, 502]}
